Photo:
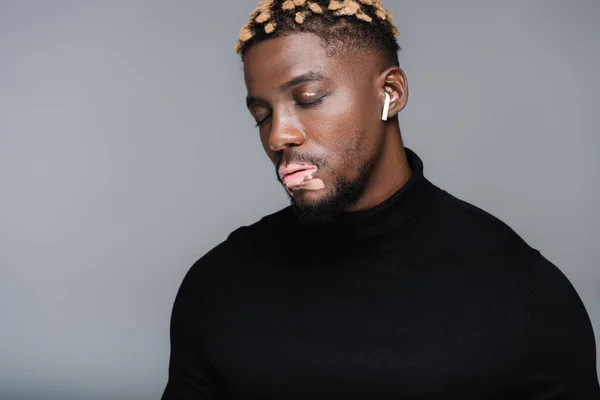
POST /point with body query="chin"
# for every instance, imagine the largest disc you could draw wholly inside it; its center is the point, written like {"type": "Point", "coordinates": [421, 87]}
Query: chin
{"type": "Point", "coordinates": [310, 197]}
{"type": "Point", "coordinates": [313, 208]}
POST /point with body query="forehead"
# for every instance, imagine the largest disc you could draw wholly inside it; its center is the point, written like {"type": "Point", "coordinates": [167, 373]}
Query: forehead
{"type": "Point", "coordinates": [275, 61]}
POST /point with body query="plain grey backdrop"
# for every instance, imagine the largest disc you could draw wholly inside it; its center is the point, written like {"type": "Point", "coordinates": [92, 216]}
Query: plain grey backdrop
{"type": "Point", "coordinates": [126, 153]}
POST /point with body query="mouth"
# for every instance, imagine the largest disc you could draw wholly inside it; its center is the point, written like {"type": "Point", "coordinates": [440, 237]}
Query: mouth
{"type": "Point", "coordinates": [295, 174]}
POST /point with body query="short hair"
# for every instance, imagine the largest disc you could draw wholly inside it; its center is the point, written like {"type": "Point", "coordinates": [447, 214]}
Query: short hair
{"type": "Point", "coordinates": [348, 26]}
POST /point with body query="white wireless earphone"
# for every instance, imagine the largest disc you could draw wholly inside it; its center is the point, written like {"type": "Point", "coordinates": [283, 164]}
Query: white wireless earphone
{"type": "Point", "coordinates": [386, 106]}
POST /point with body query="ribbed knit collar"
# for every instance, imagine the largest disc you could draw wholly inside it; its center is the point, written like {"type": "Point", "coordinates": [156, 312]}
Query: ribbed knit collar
{"type": "Point", "coordinates": [374, 227]}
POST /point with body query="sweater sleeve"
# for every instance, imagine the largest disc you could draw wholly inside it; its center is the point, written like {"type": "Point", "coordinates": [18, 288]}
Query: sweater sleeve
{"type": "Point", "coordinates": [191, 376]}
{"type": "Point", "coordinates": [559, 351]}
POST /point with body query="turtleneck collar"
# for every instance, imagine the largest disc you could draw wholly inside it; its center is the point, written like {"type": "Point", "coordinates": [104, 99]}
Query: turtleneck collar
{"type": "Point", "coordinates": [367, 227]}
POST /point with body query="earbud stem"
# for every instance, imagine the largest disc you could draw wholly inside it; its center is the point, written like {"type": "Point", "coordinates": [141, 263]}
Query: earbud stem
{"type": "Point", "coordinates": [386, 107]}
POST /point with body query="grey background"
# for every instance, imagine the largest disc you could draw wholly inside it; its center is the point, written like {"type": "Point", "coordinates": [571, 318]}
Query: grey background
{"type": "Point", "coordinates": [123, 135]}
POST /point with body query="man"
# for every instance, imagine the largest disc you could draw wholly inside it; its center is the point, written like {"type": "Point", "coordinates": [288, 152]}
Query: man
{"type": "Point", "coordinates": [374, 283]}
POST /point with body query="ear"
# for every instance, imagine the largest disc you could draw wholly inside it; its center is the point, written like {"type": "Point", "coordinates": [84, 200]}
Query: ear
{"type": "Point", "coordinates": [393, 81]}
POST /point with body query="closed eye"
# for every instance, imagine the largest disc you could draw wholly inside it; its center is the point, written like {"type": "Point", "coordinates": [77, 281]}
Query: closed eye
{"type": "Point", "coordinates": [311, 103]}
{"type": "Point", "coordinates": [262, 121]}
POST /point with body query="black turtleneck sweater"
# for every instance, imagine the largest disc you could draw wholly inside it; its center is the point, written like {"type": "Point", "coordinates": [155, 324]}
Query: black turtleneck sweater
{"type": "Point", "coordinates": [422, 297]}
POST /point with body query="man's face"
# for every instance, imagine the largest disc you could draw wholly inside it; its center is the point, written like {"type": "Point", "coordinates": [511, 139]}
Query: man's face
{"type": "Point", "coordinates": [319, 118]}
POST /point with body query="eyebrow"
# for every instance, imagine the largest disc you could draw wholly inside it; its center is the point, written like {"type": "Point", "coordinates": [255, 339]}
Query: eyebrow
{"type": "Point", "coordinates": [307, 77]}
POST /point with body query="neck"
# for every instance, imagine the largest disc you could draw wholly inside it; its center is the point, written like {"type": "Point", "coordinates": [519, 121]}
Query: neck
{"type": "Point", "coordinates": [389, 174]}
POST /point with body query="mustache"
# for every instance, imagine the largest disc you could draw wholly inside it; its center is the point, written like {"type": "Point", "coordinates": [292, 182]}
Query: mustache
{"type": "Point", "coordinates": [295, 156]}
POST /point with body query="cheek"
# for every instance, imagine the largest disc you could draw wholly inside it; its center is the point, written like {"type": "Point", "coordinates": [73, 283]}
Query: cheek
{"type": "Point", "coordinates": [350, 119]}
{"type": "Point", "coordinates": [360, 145]}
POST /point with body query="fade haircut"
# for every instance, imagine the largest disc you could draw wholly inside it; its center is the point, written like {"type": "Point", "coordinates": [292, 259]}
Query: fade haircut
{"type": "Point", "coordinates": [347, 26]}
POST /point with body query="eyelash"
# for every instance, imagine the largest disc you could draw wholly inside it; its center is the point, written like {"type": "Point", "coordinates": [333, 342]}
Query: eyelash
{"type": "Point", "coordinates": [303, 105]}
{"type": "Point", "coordinates": [262, 121]}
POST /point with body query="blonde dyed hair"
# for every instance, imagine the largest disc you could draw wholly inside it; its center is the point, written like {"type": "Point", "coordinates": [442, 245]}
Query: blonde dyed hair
{"type": "Point", "coordinates": [368, 17]}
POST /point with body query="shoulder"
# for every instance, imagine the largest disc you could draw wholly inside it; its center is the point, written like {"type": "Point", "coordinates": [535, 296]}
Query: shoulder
{"type": "Point", "coordinates": [241, 248]}
{"type": "Point", "coordinates": [551, 292]}
{"type": "Point", "coordinates": [472, 220]}
{"type": "Point", "coordinates": [558, 340]}
{"type": "Point", "coordinates": [460, 228]}
{"type": "Point", "coordinates": [262, 232]}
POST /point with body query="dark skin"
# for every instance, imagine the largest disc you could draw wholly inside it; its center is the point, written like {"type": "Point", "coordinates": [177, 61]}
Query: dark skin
{"type": "Point", "coordinates": [317, 106]}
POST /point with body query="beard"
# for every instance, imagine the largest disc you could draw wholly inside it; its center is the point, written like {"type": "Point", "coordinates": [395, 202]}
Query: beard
{"type": "Point", "coordinates": [345, 192]}
{"type": "Point", "coordinates": [327, 211]}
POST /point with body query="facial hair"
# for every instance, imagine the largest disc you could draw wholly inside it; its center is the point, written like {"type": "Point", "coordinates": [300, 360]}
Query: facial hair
{"type": "Point", "coordinates": [345, 193]}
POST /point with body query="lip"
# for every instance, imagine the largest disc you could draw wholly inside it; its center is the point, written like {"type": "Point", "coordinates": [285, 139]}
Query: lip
{"type": "Point", "coordinates": [294, 168]}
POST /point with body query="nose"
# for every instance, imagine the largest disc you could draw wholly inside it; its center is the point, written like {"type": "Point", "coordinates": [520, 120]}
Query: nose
{"type": "Point", "coordinates": [285, 132]}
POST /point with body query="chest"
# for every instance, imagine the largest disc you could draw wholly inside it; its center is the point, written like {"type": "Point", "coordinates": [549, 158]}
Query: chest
{"type": "Point", "coordinates": [391, 331]}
